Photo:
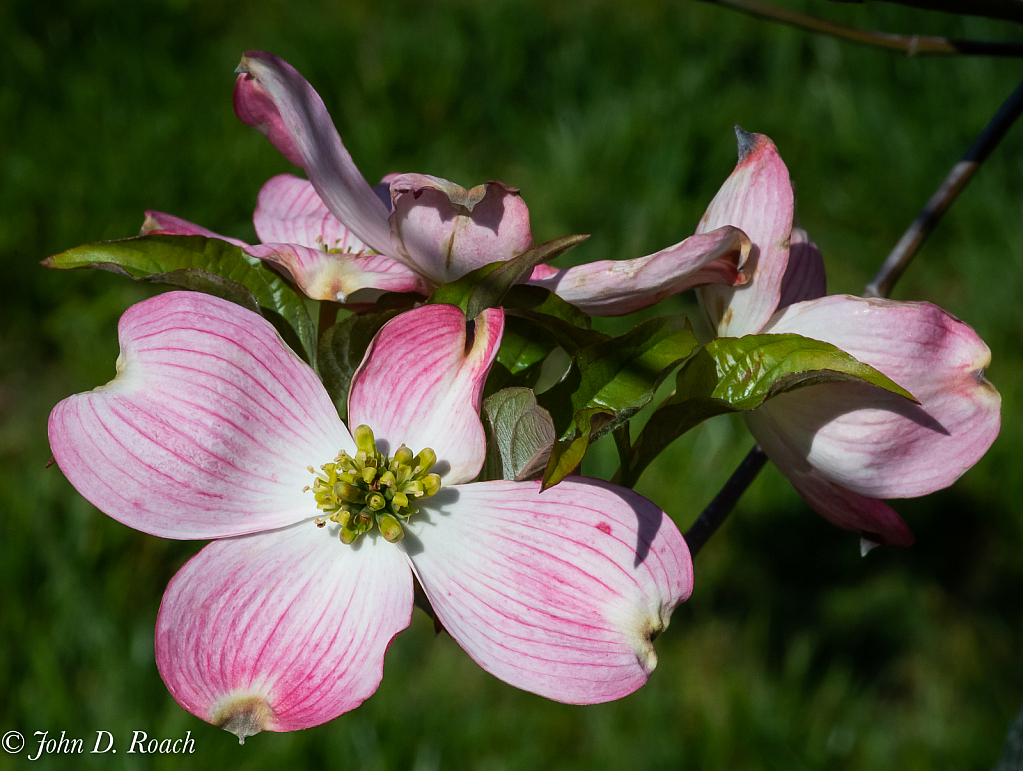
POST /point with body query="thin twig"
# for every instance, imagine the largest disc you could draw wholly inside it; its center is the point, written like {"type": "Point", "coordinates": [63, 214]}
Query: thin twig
{"type": "Point", "coordinates": [911, 45]}
{"type": "Point", "coordinates": [719, 508]}
{"type": "Point", "coordinates": [881, 286]}
{"type": "Point", "coordinates": [1010, 10]}
{"type": "Point", "coordinates": [907, 247]}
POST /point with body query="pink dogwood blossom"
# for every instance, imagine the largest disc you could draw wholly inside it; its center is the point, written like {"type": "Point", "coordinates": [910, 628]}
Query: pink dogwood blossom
{"type": "Point", "coordinates": [844, 446]}
{"type": "Point", "coordinates": [425, 229]}
{"type": "Point", "coordinates": [214, 428]}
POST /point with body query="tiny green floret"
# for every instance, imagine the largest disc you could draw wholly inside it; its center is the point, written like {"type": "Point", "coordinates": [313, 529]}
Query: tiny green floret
{"type": "Point", "coordinates": [371, 489]}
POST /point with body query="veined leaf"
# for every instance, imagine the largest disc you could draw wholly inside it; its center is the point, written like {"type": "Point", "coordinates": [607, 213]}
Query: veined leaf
{"type": "Point", "coordinates": [202, 264]}
{"type": "Point", "coordinates": [520, 435]}
{"type": "Point", "coordinates": [609, 383]}
{"type": "Point", "coordinates": [737, 374]}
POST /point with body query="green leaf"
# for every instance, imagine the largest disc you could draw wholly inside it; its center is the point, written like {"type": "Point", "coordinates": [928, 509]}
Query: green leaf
{"type": "Point", "coordinates": [540, 300]}
{"type": "Point", "coordinates": [568, 452]}
{"type": "Point", "coordinates": [202, 264]}
{"type": "Point", "coordinates": [342, 349]}
{"type": "Point", "coordinates": [522, 347]}
{"type": "Point", "coordinates": [756, 367]}
{"type": "Point", "coordinates": [520, 435]}
{"type": "Point", "coordinates": [739, 374]}
{"type": "Point", "coordinates": [458, 291]}
{"type": "Point", "coordinates": [614, 379]}
{"type": "Point", "coordinates": [492, 288]}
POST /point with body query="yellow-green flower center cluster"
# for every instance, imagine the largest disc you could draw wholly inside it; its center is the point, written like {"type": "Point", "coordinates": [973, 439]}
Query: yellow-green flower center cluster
{"type": "Point", "coordinates": [371, 489]}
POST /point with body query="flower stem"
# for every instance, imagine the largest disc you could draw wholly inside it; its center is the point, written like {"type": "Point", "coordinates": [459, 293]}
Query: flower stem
{"type": "Point", "coordinates": [912, 45]}
{"type": "Point", "coordinates": [623, 441]}
{"type": "Point", "coordinates": [719, 508]}
{"type": "Point", "coordinates": [960, 175]}
{"type": "Point", "coordinates": [1010, 10]}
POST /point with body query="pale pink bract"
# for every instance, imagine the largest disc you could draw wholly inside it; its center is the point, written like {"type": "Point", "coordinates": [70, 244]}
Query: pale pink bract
{"type": "Point", "coordinates": [438, 231]}
{"type": "Point", "coordinates": [844, 446]}
{"type": "Point", "coordinates": [207, 431]}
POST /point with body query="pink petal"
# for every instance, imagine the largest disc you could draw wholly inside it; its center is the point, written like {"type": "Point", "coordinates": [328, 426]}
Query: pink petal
{"type": "Point", "coordinates": [756, 198]}
{"type": "Point", "coordinates": [869, 440]}
{"type": "Point", "coordinates": [274, 98]}
{"type": "Point", "coordinates": [447, 231]}
{"type": "Point", "coordinates": [557, 593]}
{"type": "Point", "coordinates": [158, 223]}
{"type": "Point", "coordinates": [421, 384]}
{"type": "Point", "coordinates": [207, 428]}
{"type": "Point", "coordinates": [804, 277]}
{"type": "Point", "coordinates": [325, 276]}
{"type": "Point", "coordinates": [281, 630]}
{"type": "Point", "coordinates": [616, 287]}
{"type": "Point", "coordinates": [288, 211]}
{"type": "Point", "coordinates": [840, 506]}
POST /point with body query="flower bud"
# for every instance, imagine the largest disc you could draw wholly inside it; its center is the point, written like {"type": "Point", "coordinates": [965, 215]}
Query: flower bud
{"type": "Point", "coordinates": [390, 528]}
{"type": "Point", "coordinates": [425, 459]}
{"type": "Point", "coordinates": [364, 439]}
{"type": "Point", "coordinates": [431, 484]}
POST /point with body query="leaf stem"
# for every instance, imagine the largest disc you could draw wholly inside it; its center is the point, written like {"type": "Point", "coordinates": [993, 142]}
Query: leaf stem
{"type": "Point", "coordinates": [719, 508]}
{"type": "Point", "coordinates": [623, 441]}
{"type": "Point", "coordinates": [911, 45]}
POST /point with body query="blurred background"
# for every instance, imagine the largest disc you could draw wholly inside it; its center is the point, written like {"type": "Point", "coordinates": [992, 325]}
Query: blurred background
{"type": "Point", "coordinates": [614, 119]}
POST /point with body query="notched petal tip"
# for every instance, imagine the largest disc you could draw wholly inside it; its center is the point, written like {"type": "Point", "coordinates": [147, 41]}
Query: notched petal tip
{"type": "Point", "coordinates": [747, 142]}
{"type": "Point", "coordinates": [243, 715]}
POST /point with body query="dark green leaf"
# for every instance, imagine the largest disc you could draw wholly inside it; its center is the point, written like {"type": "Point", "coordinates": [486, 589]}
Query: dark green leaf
{"type": "Point", "coordinates": [202, 264]}
{"type": "Point", "coordinates": [539, 300]}
{"type": "Point", "coordinates": [522, 346]}
{"type": "Point", "coordinates": [520, 435]}
{"type": "Point", "coordinates": [342, 348]}
{"type": "Point", "coordinates": [492, 287]}
{"type": "Point", "coordinates": [616, 377]}
{"type": "Point", "coordinates": [458, 291]}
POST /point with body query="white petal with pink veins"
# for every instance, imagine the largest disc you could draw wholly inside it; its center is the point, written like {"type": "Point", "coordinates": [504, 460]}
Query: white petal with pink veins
{"type": "Point", "coordinates": [559, 593]}
{"type": "Point", "coordinates": [281, 630]}
{"type": "Point", "coordinates": [271, 96]}
{"type": "Point", "coordinates": [872, 441]}
{"type": "Point", "coordinates": [206, 430]}
{"type": "Point", "coordinates": [421, 384]}
{"type": "Point", "coordinates": [446, 231]}
{"type": "Point", "coordinates": [835, 503]}
{"type": "Point", "coordinates": [757, 199]}
{"type": "Point", "coordinates": [157, 222]}
{"type": "Point", "coordinates": [288, 211]}
{"type": "Point", "coordinates": [616, 287]}
{"type": "Point", "coordinates": [324, 276]}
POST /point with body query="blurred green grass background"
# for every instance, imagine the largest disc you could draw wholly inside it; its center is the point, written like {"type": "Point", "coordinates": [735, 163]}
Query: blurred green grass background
{"type": "Point", "coordinates": [614, 119]}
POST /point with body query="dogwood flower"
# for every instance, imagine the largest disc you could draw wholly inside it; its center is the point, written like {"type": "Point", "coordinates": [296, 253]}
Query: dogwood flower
{"type": "Point", "coordinates": [844, 446]}
{"type": "Point", "coordinates": [426, 229]}
{"type": "Point", "coordinates": [214, 428]}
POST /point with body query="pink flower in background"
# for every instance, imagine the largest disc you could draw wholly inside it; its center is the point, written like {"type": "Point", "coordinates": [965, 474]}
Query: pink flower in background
{"type": "Point", "coordinates": [211, 429]}
{"type": "Point", "coordinates": [435, 230]}
{"type": "Point", "coordinates": [844, 446]}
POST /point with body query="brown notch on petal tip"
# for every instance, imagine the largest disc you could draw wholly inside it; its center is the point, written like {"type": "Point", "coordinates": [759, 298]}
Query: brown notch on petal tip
{"type": "Point", "coordinates": [243, 716]}
{"type": "Point", "coordinates": [746, 142]}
